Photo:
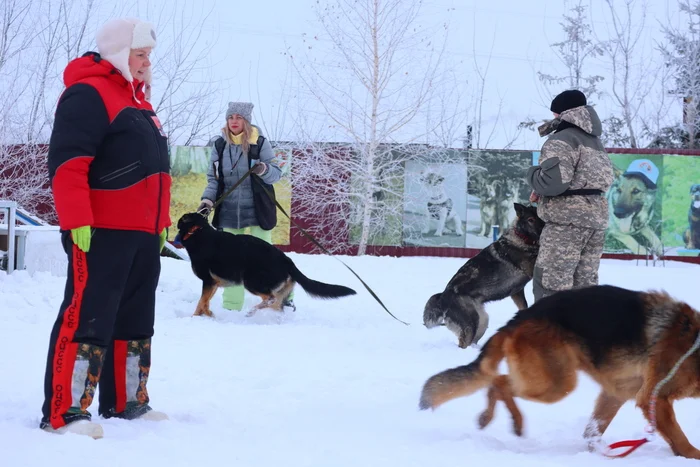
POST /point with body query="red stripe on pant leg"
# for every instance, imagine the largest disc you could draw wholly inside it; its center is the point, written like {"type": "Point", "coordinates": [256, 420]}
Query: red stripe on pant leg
{"type": "Point", "coordinates": [66, 350]}
{"type": "Point", "coordinates": [120, 375]}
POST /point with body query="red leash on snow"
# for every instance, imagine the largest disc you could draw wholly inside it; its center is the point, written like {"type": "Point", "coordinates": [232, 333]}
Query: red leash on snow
{"type": "Point", "coordinates": [633, 444]}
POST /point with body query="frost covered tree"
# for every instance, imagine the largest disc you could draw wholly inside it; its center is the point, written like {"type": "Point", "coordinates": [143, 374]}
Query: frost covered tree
{"type": "Point", "coordinates": [371, 73]}
{"type": "Point", "coordinates": [184, 94]}
{"type": "Point", "coordinates": [682, 55]}
{"type": "Point", "coordinates": [39, 37]}
{"type": "Point", "coordinates": [480, 135]}
{"type": "Point", "coordinates": [574, 51]}
{"type": "Point", "coordinates": [24, 179]}
{"type": "Point", "coordinates": [448, 111]}
{"type": "Point", "coordinates": [633, 71]}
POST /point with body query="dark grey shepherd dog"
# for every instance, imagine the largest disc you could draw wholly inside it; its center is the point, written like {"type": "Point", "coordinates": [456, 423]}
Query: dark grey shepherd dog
{"type": "Point", "coordinates": [498, 271]}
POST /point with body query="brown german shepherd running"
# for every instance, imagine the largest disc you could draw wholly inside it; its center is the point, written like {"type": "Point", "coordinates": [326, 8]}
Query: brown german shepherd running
{"type": "Point", "coordinates": [627, 341]}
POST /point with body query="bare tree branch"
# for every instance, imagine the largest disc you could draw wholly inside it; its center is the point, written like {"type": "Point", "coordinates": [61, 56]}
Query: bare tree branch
{"type": "Point", "coordinates": [633, 71]}
{"type": "Point", "coordinates": [574, 51]}
{"type": "Point", "coordinates": [39, 37]}
{"type": "Point", "coordinates": [378, 77]}
{"type": "Point", "coordinates": [15, 36]}
{"type": "Point", "coordinates": [682, 54]}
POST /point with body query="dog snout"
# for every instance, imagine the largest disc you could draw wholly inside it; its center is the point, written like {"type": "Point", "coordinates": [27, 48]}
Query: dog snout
{"type": "Point", "coordinates": [621, 212]}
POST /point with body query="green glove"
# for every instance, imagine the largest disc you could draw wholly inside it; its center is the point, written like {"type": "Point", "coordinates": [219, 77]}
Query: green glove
{"type": "Point", "coordinates": [82, 236]}
{"type": "Point", "coordinates": [163, 237]}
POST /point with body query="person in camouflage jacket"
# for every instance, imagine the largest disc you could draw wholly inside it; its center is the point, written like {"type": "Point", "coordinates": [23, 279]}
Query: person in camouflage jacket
{"type": "Point", "coordinates": [569, 186]}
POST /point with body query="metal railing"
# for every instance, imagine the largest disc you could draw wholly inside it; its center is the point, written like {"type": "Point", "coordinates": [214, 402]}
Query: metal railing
{"type": "Point", "coordinates": [10, 218]}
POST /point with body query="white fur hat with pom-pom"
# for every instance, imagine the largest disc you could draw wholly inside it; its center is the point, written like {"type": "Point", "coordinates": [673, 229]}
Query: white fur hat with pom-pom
{"type": "Point", "coordinates": [117, 37]}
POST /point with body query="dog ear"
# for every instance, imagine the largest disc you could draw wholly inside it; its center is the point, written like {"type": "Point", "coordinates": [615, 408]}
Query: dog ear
{"type": "Point", "coordinates": [519, 209]}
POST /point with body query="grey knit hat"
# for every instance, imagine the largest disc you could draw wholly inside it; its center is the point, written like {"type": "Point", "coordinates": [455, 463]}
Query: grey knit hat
{"type": "Point", "coordinates": [244, 109]}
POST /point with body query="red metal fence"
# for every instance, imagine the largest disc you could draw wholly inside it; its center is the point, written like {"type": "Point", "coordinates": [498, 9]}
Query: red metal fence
{"type": "Point", "coordinates": [299, 243]}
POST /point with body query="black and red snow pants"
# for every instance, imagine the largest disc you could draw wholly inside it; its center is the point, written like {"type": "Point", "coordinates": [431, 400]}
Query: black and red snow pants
{"type": "Point", "coordinates": [102, 335]}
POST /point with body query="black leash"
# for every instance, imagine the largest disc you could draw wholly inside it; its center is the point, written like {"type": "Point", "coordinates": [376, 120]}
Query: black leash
{"type": "Point", "coordinates": [279, 206]}
{"type": "Point", "coordinates": [327, 252]}
{"type": "Point", "coordinates": [230, 190]}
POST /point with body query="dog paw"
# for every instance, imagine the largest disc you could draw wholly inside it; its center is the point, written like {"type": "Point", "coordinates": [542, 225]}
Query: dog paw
{"type": "Point", "coordinates": [689, 453]}
{"type": "Point", "coordinates": [484, 419]}
{"type": "Point", "coordinates": [206, 313]}
{"type": "Point", "coordinates": [596, 445]}
{"type": "Point", "coordinates": [517, 429]}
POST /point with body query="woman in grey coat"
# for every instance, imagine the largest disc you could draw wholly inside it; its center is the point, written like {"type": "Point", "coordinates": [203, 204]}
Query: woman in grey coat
{"type": "Point", "coordinates": [247, 209]}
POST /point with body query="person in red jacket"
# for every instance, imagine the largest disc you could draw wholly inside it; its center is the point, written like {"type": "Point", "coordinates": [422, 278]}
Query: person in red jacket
{"type": "Point", "coordinates": [110, 176]}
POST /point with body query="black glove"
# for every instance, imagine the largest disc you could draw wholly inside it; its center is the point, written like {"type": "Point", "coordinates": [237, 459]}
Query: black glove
{"type": "Point", "coordinates": [259, 169]}
{"type": "Point", "coordinates": [205, 207]}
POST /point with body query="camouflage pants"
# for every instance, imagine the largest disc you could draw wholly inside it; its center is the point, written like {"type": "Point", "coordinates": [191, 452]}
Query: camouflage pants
{"type": "Point", "coordinates": [569, 257]}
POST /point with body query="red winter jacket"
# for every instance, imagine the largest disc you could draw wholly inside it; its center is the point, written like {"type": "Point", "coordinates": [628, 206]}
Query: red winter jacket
{"type": "Point", "coordinates": [108, 155]}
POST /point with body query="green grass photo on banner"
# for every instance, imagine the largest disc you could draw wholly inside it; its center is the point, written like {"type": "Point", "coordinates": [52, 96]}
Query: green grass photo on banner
{"type": "Point", "coordinates": [188, 169]}
{"type": "Point", "coordinates": [680, 174]}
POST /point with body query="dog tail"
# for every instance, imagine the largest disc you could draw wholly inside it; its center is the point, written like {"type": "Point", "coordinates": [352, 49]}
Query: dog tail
{"type": "Point", "coordinates": [467, 379]}
{"type": "Point", "coordinates": [318, 289]}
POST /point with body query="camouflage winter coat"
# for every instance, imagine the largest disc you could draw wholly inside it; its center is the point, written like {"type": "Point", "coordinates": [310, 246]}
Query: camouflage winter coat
{"type": "Point", "coordinates": [573, 158]}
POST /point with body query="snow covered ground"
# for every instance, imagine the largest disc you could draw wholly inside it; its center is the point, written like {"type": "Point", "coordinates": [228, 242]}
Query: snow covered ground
{"type": "Point", "coordinates": [334, 384]}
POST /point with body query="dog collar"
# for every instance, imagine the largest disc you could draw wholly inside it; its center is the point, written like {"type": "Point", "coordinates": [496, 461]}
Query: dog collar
{"type": "Point", "coordinates": [525, 238]}
{"type": "Point", "coordinates": [190, 232]}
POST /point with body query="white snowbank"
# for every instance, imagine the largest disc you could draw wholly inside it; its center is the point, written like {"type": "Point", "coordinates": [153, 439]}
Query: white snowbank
{"type": "Point", "coordinates": [334, 384]}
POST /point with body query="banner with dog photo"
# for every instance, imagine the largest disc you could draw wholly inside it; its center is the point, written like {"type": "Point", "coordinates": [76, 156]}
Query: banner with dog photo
{"type": "Point", "coordinates": [654, 205]}
{"type": "Point", "coordinates": [635, 205]}
{"type": "Point", "coordinates": [189, 166]}
{"type": "Point", "coordinates": [680, 201]}
{"type": "Point", "coordinates": [496, 182]}
{"type": "Point", "coordinates": [435, 201]}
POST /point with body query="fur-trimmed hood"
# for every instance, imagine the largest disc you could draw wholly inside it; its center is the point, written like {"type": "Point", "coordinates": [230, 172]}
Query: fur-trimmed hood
{"type": "Point", "coordinates": [92, 65]}
{"type": "Point", "coordinates": [584, 117]}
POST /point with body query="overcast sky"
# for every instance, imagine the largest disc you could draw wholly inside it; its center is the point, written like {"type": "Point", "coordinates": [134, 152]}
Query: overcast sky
{"type": "Point", "coordinates": [248, 41]}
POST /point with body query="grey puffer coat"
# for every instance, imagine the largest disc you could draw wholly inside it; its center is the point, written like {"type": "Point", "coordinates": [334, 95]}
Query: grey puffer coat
{"type": "Point", "coordinates": [238, 208]}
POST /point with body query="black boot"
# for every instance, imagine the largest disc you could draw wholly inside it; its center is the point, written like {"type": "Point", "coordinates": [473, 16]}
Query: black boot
{"type": "Point", "coordinates": [123, 386]}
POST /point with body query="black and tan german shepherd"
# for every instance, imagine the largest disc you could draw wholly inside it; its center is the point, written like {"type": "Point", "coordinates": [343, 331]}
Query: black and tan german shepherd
{"type": "Point", "coordinates": [692, 235]}
{"type": "Point", "coordinates": [221, 259]}
{"type": "Point", "coordinates": [498, 271]}
{"type": "Point", "coordinates": [627, 341]}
